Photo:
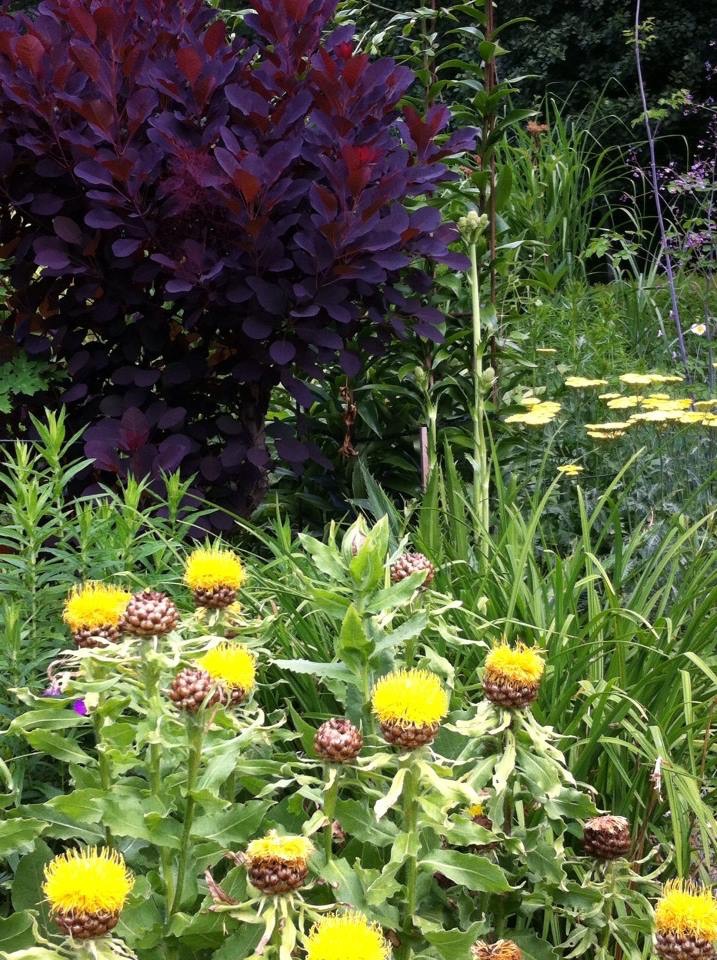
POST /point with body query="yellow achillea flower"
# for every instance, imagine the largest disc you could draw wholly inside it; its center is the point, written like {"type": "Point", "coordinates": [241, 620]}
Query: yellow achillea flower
{"type": "Point", "coordinates": [91, 605]}
{"type": "Point", "coordinates": [519, 665]}
{"type": "Point", "coordinates": [637, 379]}
{"type": "Point", "coordinates": [681, 403]}
{"type": "Point", "coordinates": [583, 383]}
{"type": "Point", "coordinates": [692, 416]}
{"type": "Point", "coordinates": [87, 881]}
{"type": "Point", "coordinates": [705, 404]}
{"type": "Point", "coordinates": [546, 350]}
{"type": "Point", "coordinates": [529, 401]}
{"type": "Point", "coordinates": [273, 847]}
{"type": "Point", "coordinates": [608, 396]}
{"type": "Point", "coordinates": [656, 416]}
{"type": "Point", "coordinates": [208, 568]}
{"type": "Point", "coordinates": [538, 415]}
{"type": "Point", "coordinates": [624, 403]}
{"type": "Point", "coordinates": [231, 665]}
{"type": "Point", "coordinates": [657, 396]}
{"type": "Point", "coordinates": [410, 698]}
{"type": "Point", "coordinates": [685, 908]}
{"type": "Point", "coordinates": [570, 469]}
{"type": "Point", "coordinates": [346, 936]}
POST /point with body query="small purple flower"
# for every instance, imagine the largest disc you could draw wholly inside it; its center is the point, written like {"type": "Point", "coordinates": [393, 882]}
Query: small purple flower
{"type": "Point", "coordinates": [52, 691]}
{"type": "Point", "coordinates": [80, 707]}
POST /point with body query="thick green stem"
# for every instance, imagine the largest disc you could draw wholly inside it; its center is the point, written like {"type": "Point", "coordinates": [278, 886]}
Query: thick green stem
{"type": "Point", "coordinates": [330, 797]}
{"type": "Point", "coordinates": [608, 904]}
{"type": "Point", "coordinates": [195, 736]}
{"type": "Point", "coordinates": [410, 827]}
{"type": "Point", "coordinates": [480, 456]}
{"type": "Point", "coordinates": [153, 760]}
{"type": "Point", "coordinates": [105, 766]}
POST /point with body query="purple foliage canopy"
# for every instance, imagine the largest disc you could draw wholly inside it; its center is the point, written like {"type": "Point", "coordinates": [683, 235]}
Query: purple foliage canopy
{"type": "Point", "coordinates": [192, 219]}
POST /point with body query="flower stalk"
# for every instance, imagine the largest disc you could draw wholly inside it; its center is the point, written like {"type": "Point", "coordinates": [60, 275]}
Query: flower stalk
{"type": "Point", "coordinates": [195, 738]}
{"type": "Point", "coordinates": [410, 826]}
{"type": "Point", "coordinates": [331, 793]}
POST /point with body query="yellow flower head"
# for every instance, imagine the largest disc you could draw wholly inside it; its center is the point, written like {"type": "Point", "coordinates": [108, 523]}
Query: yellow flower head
{"type": "Point", "coordinates": [657, 416]}
{"type": "Point", "coordinates": [529, 401]}
{"type": "Point", "coordinates": [638, 379]}
{"type": "Point", "coordinates": [609, 426]}
{"type": "Point", "coordinates": [583, 383]}
{"type": "Point", "coordinates": [546, 351]}
{"type": "Point", "coordinates": [208, 568]}
{"type": "Point", "coordinates": [624, 403]}
{"type": "Point", "coordinates": [346, 936]}
{"type": "Point", "coordinates": [606, 434]}
{"type": "Point", "coordinates": [654, 403]}
{"type": "Point", "coordinates": [705, 404]}
{"type": "Point", "coordinates": [410, 698]}
{"type": "Point", "coordinates": [92, 605]}
{"type": "Point", "coordinates": [521, 666]}
{"type": "Point", "coordinates": [476, 810]}
{"type": "Point", "coordinates": [231, 665]}
{"type": "Point", "coordinates": [570, 469]}
{"type": "Point", "coordinates": [538, 415]}
{"type": "Point", "coordinates": [87, 881]}
{"type": "Point", "coordinates": [609, 396]}
{"type": "Point", "coordinates": [685, 908]}
{"type": "Point", "coordinates": [692, 416]}
{"type": "Point", "coordinates": [274, 847]}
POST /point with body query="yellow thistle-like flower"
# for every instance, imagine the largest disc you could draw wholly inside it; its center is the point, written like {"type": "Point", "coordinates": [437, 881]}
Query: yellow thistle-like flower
{"type": "Point", "coordinates": [231, 665]}
{"type": "Point", "coordinates": [476, 810]}
{"type": "Point", "coordinates": [209, 568]}
{"type": "Point", "coordinates": [346, 936]}
{"type": "Point", "coordinates": [273, 847]}
{"type": "Point", "coordinates": [410, 698]}
{"type": "Point", "coordinates": [570, 469]}
{"type": "Point", "coordinates": [583, 383]}
{"type": "Point", "coordinates": [87, 881]}
{"type": "Point", "coordinates": [519, 665]}
{"type": "Point", "coordinates": [687, 909]}
{"type": "Point", "coordinates": [92, 605]}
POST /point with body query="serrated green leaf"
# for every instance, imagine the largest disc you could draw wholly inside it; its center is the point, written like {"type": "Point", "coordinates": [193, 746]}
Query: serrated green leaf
{"type": "Point", "coordinates": [468, 870]}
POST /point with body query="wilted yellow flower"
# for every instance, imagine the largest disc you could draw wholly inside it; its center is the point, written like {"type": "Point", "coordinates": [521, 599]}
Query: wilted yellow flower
{"type": "Point", "coordinates": [685, 908]}
{"type": "Point", "coordinates": [231, 665]}
{"type": "Point", "coordinates": [410, 698]}
{"type": "Point", "coordinates": [583, 383]}
{"type": "Point", "coordinates": [87, 881]}
{"type": "Point", "coordinates": [700, 329]}
{"type": "Point", "coordinates": [624, 403]}
{"type": "Point", "coordinates": [274, 847]}
{"type": "Point", "coordinates": [570, 469]}
{"type": "Point", "coordinates": [209, 568]}
{"type": "Point", "coordinates": [346, 936]}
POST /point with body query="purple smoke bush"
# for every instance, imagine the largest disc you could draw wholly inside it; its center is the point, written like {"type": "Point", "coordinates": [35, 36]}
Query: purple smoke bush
{"type": "Point", "coordinates": [193, 219]}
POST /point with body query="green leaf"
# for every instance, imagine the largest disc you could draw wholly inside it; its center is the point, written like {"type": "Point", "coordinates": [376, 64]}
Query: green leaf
{"type": "Point", "coordinates": [232, 827]}
{"type": "Point", "coordinates": [26, 888]}
{"type": "Point", "coordinates": [332, 671]}
{"type": "Point", "coordinates": [468, 870]}
{"type": "Point", "coordinates": [352, 641]}
{"type": "Point", "coordinates": [392, 796]}
{"type": "Point", "coordinates": [357, 820]}
{"type": "Point", "coordinates": [16, 933]}
{"type": "Point", "coordinates": [19, 835]}
{"type": "Point", "coordinates": [59, 747]}
{"type": "Point", "coordinates": [503, 186]}
{"type": "Point", "coordinates": [454, 944]}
